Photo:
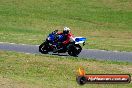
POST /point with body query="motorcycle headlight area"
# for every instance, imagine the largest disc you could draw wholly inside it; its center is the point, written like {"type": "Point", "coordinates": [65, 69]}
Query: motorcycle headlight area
{"type": "Point", "coordinates": [49, 38]}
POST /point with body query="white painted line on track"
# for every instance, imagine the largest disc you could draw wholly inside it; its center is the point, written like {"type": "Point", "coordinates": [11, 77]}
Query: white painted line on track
{"type": "Point", "coordinates": [16, 43]}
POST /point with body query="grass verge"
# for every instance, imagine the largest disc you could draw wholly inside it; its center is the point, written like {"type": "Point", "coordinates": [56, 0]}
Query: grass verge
{"type": "Point", "coordinates": [46, 71]}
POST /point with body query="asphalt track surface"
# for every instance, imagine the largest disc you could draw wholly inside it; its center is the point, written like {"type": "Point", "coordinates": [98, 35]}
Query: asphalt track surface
{"type": "Point", "coordinates": [86, 53]}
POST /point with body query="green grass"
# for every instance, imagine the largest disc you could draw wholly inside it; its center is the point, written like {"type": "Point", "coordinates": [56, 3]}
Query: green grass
{"type": "Point", "coordinates": [44, 71]}
{"type": "Point", "coordinates": [106, 24]}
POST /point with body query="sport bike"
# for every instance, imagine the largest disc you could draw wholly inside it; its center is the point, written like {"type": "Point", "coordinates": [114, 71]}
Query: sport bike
{"type": "Point", "coordinates": [53, 43]}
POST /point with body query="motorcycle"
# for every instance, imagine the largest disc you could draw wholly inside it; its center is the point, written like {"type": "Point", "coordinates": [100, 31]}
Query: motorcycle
{"type": "Point", "coordinates": [53, 44]}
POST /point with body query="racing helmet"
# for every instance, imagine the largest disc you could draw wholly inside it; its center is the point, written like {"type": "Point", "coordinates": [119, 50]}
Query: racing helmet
{"type": "Point", "coordinates": [66, 30]}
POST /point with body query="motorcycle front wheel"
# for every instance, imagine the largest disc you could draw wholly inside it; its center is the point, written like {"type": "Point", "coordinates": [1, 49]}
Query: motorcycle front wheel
{"type": "Point", "coordinates": [43, 48]}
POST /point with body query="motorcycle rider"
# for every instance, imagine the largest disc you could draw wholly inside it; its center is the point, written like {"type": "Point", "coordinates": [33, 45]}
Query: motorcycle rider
{"type": "Point", "coordinates": [66, 38]}
{"type": "Point", "coordinates": [66, 34]}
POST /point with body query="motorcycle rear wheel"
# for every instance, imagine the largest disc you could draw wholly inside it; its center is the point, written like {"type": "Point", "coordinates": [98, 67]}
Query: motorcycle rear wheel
{"type": "Point", "coordinates": [74, 50]}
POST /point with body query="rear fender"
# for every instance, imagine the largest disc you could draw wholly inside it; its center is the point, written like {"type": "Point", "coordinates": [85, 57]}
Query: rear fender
{"type": "Point", "coordinates": [80, 40]}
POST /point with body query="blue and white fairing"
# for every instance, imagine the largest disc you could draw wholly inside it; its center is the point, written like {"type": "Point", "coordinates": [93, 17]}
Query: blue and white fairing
{"type": "Point", "coordinates": [79, 40]}
{"type": "Point", "coordinates": [51, 37]}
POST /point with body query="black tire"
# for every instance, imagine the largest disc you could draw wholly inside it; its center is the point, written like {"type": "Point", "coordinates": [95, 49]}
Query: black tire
{"type": "Point", "coordinates": [78, 48]}
{"type": "Point", "coordinates": [74, 50]}
{"type": "Point", "coordinates": [43, 48]}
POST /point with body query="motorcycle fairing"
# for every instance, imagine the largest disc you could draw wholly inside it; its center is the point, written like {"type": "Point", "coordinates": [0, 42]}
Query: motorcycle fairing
{"type": "Point", "coordinates": [79, 40]}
